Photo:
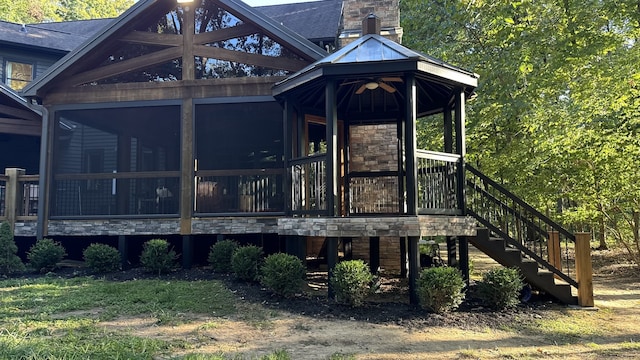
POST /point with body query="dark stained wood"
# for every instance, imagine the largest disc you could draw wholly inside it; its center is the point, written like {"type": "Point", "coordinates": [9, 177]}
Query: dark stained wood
{"type": "Point", "coordinates": [225, 34]}
{"type": "Point", "coordinates": [149, 38]}
{"type": "Point", "coordinates": [20, 127]}
{"type": "Point", "coordinates": [249, 58]}
{"type": "Point", "coordinates": [124, 66]}
{"type": "Point", "coordinates": [120, 175]}
{"type": "Point", "coordinates": [240, 172]}
{"type": "Point", "coordinates": [410, 145]}
{"type": "Point", "coordinates": [205, 88]}
{"type": "Point", "coordinates": [187, 167]}
{"type": "Point", "coordinates": [188, 61]}
{"type": "Point", "coordinates": [19, 113]}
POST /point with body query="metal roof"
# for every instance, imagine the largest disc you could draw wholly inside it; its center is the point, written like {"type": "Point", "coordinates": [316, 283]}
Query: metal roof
{"type": "Point", "coordinates": [372, 54]}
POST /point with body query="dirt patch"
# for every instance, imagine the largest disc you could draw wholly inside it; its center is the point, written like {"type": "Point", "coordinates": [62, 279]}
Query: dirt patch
{"type": "Point", "coordinates": [310, 326]}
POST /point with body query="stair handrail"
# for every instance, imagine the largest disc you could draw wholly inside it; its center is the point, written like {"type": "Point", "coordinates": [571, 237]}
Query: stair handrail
{"type": "Point", "coordinates": [522, 203]}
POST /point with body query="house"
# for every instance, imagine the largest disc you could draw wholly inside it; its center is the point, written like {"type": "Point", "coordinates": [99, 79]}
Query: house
{"type": "Point", "coordinates": [196, 120]}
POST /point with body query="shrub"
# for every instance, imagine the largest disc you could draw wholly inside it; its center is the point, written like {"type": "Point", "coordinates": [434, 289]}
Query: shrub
{"type": "Point", "coordinates": [245, 262]}
{"type": "Point", "coordinates": [351, 281]}
{"type": "Point", "coordinates": [284, 274]}
{"type": "Point", "coordinates": [157, 256]}
{"type": "Point", "coordinates": [102, 258]}
{"type": "Point", "coordinates": [220, 255]}
{"type": "Point", "coordinates": [45, 255]}
{"type": "Point", "coordinates": [500, 287]}
{"type": "Point", "coordinates": [10, 262]}
{"type": "Point", "coordinates": [440, 289]}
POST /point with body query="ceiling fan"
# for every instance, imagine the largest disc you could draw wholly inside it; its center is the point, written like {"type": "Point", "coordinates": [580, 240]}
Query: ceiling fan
{"type": "Point", "coordinates": [372, 84]}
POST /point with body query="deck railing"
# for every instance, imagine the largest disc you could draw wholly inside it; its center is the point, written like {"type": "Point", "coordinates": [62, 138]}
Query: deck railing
{"type": "Point", "coordinates": [522, 226]}
{"type": "Point", "coordinates": [18, 196]}
{"type": "Point", "coordinates": [437, 182]}
{"type": "Point", "coordinates": [308, 185]}
{"type": "Point", "coordinates": [239, 191]}
{"type": "Point", "coordinates": [114, 194]}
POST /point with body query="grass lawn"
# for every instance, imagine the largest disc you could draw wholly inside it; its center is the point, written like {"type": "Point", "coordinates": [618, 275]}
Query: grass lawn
{"type": "Point", "coordinates": [55, 318]}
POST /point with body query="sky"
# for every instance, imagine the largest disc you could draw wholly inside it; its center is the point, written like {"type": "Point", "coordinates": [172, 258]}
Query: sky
{"type": "Point", "coordinates": [272, 2]}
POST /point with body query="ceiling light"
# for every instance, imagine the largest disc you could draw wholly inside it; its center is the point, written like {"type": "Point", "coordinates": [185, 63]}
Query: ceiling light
{"type": "Point", "coordinates": [184, 1]}
{"type": "Point", "coordinates": [372, 85]}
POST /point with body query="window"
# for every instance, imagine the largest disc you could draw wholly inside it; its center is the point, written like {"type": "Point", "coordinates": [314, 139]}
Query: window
{"type": "Point", "coordinates": [18, 75]}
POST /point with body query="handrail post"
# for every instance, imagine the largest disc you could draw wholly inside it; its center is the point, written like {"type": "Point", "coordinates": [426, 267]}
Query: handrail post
{"type": "Point", "coordinates": [553, 249]}
{"type": "Point", "coordinates": [12, 195]}
{"type": "Point", "coordinates": [584, 269]}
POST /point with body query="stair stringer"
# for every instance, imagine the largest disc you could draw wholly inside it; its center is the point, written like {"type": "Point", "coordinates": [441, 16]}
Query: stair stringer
{"type": "Point", "coordinates": [497, 249]}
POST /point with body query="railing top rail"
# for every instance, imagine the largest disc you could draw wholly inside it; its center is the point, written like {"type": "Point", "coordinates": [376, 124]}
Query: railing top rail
{"type": "Point", "coordinates": [522, 203]}
{"type": "Point", "coordinates": [118, 175]}
{"type": "Point", "coordinates": [241, 172]}
{"type": "Point", "coordinates": [434, 155]}
{"type": "Point", "coordinates": [26, 178]}
{"type": "Point", "coordinates": [307, 159]}
{"type": "Point", "coordinates": [4, 178]}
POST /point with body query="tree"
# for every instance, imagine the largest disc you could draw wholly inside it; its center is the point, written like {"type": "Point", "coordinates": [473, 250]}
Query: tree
{"type": "Point", "coordinates": [36, 11]}
{"type": "Point", "coordinates": [557, 116]}
{"type": "Point", "coordinates": [9, 262]}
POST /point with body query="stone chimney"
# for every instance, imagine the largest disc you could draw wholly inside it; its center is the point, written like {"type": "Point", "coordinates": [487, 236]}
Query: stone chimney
{"type": "Point", "coordinates": [354, 11]}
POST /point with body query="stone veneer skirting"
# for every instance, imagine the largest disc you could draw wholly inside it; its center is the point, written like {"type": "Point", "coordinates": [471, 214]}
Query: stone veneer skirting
{"type": "Point", "coordinates": [422, 225]}
{"type": "Point", "coordinates": [234, 225]}
{"type": "Point", "coordinates": [400, 226]}
{"type": "Point", "coordinates": [114, 227]}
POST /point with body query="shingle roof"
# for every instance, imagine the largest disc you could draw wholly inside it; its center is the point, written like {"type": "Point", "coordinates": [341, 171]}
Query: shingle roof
{"type": "Point", "coordinates": [242, 10]}
{"type": "Point", "coordinates": [61, 37]}
{"type": "Point", "coordinates": [315, 20]}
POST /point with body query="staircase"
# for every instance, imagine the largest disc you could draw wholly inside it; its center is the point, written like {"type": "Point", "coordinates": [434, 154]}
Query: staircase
{"type": "Point", "coordinates": [516, 235]}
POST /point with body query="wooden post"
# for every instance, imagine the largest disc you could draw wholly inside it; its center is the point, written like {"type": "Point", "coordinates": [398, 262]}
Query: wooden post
{"type": "Point", "coordinates": [374, 254]}
{"type": "Point", "coordinates": [414, 269]}
{"type": "Point", "coordinates": [123, 248]}
{"type": "Point", "coordinates": [553, 248]}
{"type": "Point", "coordinates": [13, 195]}
{"type": "Point", "coordinates": [332, 260]}
{"type": "Point", "coordinates": [187, 251]}
{"type": "Point", "coordinates": [584, 270]}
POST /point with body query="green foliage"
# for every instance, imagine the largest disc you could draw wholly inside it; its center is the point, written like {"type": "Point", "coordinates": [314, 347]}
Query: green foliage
{"type": "Point", "coordinates": [220, 255]}
{"type": "Point", "coordinates": [36, 11]}
{"type": "Point", "coordinates": [10, 263]}
{"type": "Point", "coordinates": [56, 318]}
{"type": "Point", "coordinates": [500, 287]}
{"type": "Point", "coordinates": [557, 116]}
{"type": "Point", "coordinates": [45, 255]}
{"type": "Point", "coordinates": [101, 258]}
{"type": "Point", "coordinates": [441, 289]}
{"type": "Point", "coordinates": [157, 256]}
{"type": "Point", "coordinates": [246, 261]}
{"type": "Point", "coordinates": [351, 281]}
{"type": "Point", "coordinates": [284, 274]}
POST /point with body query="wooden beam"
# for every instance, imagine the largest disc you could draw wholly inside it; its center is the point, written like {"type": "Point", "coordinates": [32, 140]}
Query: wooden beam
{"type": "Point", "coordinates": [146, 91]}
{"type": "Point", "coordinates": [225, 34]}
{"type": "Point", "coordinates": [249, 58]}
{"type": "Point", "coordinates": [19, 113]}
{"type": "Point", "coordinates": [124, 66]}
{"type": "Point", "coordinates": [187, 167]}
{"type": "Point", "coordinates": [188, 32]}
{"type": "Point", "coordinates": [20, 127]}
{"type": "Point", "coordinates": [149, 38]}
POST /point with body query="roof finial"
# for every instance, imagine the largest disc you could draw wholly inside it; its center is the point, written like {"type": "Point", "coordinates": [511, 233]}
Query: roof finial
{"type": "Point", "coordinates": [371, 25]}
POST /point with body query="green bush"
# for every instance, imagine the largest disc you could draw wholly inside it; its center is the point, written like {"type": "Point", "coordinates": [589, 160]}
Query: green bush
{"type": "Point", "coordinates": [500, 287]}
{"type": "Point", "coordinates": [10, 262]}
{"type": "Point", "coordinates": [220, 255]}
{"type": "Point", "coordinates": [440, 289]}
{"type": "Point", "coordinates": [157, 256]}
{"type": "Point", "coordinates": [284, 274]}
{"type": "Point", "coordinates": [246, 261]}
{"type": "Point", "coordinates": [351, 282]}
{"type": "Point", "coordinates": [45, 255]}
{"type": "Point", "coordinates": [101, 258]}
